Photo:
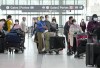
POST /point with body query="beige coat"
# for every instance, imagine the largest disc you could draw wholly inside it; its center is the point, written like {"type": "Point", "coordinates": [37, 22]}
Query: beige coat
{"type": "Point", "coordinates": [73, 28]}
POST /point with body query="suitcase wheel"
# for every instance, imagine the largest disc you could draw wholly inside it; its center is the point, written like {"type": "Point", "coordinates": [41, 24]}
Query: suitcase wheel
{"type": "Point", "coordinates": [50, 52]}
{"type": "Point", "coordinates": [69, 53]}
{"type": "Point", "coordinates": [16, 51]}
{"type": "Point", "coordinates": [93, 65]}
{"type": "Point", "coordinates": [22, 51]}
{"type": "Point", "coordinates": [57, 52]}
{"type": "Point", "coordinates": [10, 50]}
{"type": "Point", "coordinates": [86, 65]}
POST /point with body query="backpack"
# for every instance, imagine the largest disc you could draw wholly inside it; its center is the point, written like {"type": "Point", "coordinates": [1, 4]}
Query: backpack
{"type": "Point", "coordinates": [5, 27]}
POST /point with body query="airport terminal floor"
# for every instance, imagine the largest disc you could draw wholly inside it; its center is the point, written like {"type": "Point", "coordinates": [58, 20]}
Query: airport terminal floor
{"type": "Point", "coordinates": [31, 59]}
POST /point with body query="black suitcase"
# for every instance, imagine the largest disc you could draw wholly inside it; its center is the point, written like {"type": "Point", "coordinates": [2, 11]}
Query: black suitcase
{"type": "Point", "coordinates": [2, 45]}
{"type": "Point", "coordinates": [98, 61]}
{"type": "Point", "coordinates": [57, 42]}
{"type": "Point", "coordinates": [90, 54]}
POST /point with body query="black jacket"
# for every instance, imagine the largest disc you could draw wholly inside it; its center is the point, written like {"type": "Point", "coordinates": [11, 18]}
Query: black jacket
{"type": "Point", "coordinates": [66, 28]}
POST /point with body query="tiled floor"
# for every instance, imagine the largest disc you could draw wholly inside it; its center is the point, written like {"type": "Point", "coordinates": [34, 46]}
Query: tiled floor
{"type": "Point", "coordinates": [30, 59]}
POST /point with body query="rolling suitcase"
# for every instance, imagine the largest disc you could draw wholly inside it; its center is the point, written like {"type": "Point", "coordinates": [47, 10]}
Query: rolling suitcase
{"type": "Point", "coordinates": [98, 61]}
{"type": "Point", "coordinates": [57, 43]}
{"type": "Point", "coordinates": [47, 36]}
{"type": "Point", "coordinates": [90, 54]}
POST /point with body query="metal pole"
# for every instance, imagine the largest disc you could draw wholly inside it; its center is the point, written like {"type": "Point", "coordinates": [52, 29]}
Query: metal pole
{"type": "Point", "coordinates": [18, 10]}
{"type": "Point", "coordinates": [66, 11]}
{"type": "Point", "coordinates": [2, 4]}
{"type": "Point", "coordinates": [74, 9]}
{"type": "Point", "coordinates": [77, 13]}
{"type": "Point", "coordinates": [6, 9]}
{"type": "Point", "coordinates": [54, 4]}
{"type": "Point", "coordinates": [39, 4]}
{"type": "Point", "coordinates": [15, 10]}
{"type": "Point", "coordinates": [51, 11]}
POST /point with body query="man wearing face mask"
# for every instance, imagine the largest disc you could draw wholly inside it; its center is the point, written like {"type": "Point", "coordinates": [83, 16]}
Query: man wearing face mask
{"type": "Point", "coordinates": [41, 27]}
{"type": "Point", "coordinates": [47, 22]}
{"type": "Point", "coordinates": [92, 25]}
{"type": "Point", "coordinates": [66, 31]}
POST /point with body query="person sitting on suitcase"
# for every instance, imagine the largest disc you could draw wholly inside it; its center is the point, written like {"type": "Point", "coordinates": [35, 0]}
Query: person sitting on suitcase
{"type": "Point", "coordinates": [74, 29]}
{"type": "Point", "coordinates": [92, 25]}
{"type": "Point", "coordinates": [16, 25]}
{"type": "Point", "coordinates": [41, 27]}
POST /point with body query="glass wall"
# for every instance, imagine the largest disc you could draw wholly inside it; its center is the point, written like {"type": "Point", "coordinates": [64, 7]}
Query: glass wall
{"type": "Point", "coordinates": [61, 17]}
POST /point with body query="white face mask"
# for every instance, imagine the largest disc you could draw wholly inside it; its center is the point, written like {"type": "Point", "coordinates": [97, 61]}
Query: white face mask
{"type": "Point", "coordinates": [74, 22]}
{"type": "Point", "coordinates": [16, 23]}
{"type": "Point", "coordinates": [82, 20]}
{"type": "Point", "coordinates": [43, 19]}
{"type": "Point", "coordinates": [53, 22]}
{"type": "Point", "coordinates": [95, 19]}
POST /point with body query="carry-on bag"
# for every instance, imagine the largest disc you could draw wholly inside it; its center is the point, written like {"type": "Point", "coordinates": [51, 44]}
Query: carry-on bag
{"type": "Point", "coordinates": [90, 54]}
{"type": "Point", "coordinates": [57, 42]}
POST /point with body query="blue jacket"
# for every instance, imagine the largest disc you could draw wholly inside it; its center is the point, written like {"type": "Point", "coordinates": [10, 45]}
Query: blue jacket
{"type": "Point", "coordinates": [40, 25]}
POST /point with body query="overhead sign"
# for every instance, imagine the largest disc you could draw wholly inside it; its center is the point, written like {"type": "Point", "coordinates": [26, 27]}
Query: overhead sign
{"type": "Point", "coordinates": [42, 7]}
{"type": "Point", "coordinates": [88, 18]}
{"type": "Point", "coordinates": [44, 11]}
{"type": "Point", "coordinates": [42, 14]}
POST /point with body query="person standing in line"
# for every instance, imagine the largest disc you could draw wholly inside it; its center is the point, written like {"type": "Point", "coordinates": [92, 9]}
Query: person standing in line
{"type": "Point", "coordinates": [23, 27]}
{"type": "Point", "coordinates": [47, 22]}
{"type": "Point", "coordinates": [8, 24]}
{"type": "Point", "coordinates": [67, 26]}
{"type": "Point", "coordinates": [83, 25]}
{"type": "Point", "coordinates": [66, 33]}
{"type": "Point", "coordinates": [41, 27]}
{"type": "Point", "coordinates": [34, 25]}
{"type": "Point", "coordinates": [23, 24]}
{"type": "Point", "coordinates": [54, 25]}
{"type": "Point", "coordinates": [92, 26]}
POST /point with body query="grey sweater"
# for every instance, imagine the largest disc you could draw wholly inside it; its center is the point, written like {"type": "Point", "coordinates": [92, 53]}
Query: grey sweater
{"type": "Point", "coordinates": [48, 24]}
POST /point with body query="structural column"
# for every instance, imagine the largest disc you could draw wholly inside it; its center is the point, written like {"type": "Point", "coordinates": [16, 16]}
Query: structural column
{"type": "Point", "coordinates": [60, 13]}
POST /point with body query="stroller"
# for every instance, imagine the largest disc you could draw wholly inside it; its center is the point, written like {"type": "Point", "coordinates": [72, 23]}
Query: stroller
{"type": "Point", "coordinates": [14, 40]}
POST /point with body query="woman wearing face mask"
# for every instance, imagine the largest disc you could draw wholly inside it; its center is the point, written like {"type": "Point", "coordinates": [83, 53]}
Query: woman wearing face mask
{"type": "Point", "coordinates": [16, 25]}
{"type": "Point", "coordinates": [54, 25]}
{"type": "Point", "coordinates": [92, 25]}
{"type": "Point", "coordinates": [74, 29]}
{"type": "Point", "coordinates": [83, 25]}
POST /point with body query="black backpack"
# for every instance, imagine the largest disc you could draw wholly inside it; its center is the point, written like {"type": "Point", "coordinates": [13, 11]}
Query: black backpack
{"type": "Point", "coordinates": [5, 27]}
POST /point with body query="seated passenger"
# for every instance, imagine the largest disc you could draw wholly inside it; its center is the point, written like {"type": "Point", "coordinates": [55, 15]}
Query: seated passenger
{"type": "Point", "coordinates": [74, 29]}
{"type": "Point", "coordinates": [16, 25]}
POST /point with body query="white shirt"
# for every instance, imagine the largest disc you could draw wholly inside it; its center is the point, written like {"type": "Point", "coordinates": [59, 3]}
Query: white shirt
{"type": "Point", "coordinates": [23, 26]}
